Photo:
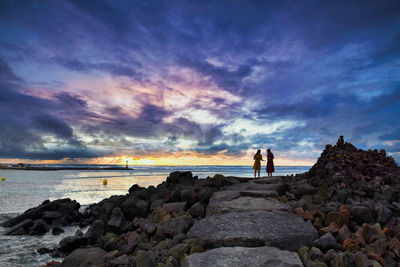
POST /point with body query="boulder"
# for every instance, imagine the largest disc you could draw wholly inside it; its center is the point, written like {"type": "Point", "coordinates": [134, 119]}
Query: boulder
{"type": "Point", "coordinates": [111, 241]}
{"type": "Point", "coordinates": [50, 216]}
{"type": "Point", "coordinates": [71, 243]}
{"type": "Point", "coordinates": [197, 210]}
{"type": "Point", "coordinates": [95, 231]}
{"type": "Point", "coordinates": [361, 214]}
{"type": "Point", "coordinates": [175, 207]}
{"type": "Point", "coordinates": [326, 242]}
{"type": "Point", "coordinates": [88, 257]}
{"type": "Point", "coordinates": [243, 256]}
{"type": "Point", "coordinates": [64, 206]}
{"type": "Point", "coordinates": [57, 230]}
{"type": "Point", "coordinates": [135, 207]}
{"type": "Point", "coordinates": [175, 226]}
{"type": "Point", "coordinates": [122, 261]}
{"type": "Point", "coordinates": [254, 228]}
{"type": "Point", "coordinates": [180, 178]}
{"type": "Point", "coordinates": [20, 228]}
{"type": "Point", "coordinates": [189, 196]}
{"type": "Point", "coordinates": [117, 220]}
{"type": "Point", "coordinates": [39, 227]}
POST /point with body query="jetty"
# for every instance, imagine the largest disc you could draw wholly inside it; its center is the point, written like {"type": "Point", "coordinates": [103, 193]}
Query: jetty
{"type": "Point", "coordinates": [345, 211]}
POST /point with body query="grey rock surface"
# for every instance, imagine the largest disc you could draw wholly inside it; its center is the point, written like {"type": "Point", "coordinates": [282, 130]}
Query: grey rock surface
{"type": "Point", "coordinates": [89, 257]}
{"type": "Point", "coordinates": [242, 256]}
{"type": "Point", "coordinates": [254, 228]}
{"type": "Point", "coordinates": [245, 204]}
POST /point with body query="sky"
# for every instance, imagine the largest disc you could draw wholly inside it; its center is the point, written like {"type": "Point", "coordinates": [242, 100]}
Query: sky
{"type": "Point", "coordinates": [196, 82]}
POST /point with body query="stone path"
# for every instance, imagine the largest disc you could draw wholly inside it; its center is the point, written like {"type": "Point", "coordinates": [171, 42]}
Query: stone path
{"type": "Point", "coordinates": [243, 257]}
{"type": "Point", "coordinates": [246, 215]}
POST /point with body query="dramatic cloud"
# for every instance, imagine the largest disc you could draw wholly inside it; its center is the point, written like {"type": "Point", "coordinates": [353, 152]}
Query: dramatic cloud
{"type": "Point", "coordinates": [88, 80]}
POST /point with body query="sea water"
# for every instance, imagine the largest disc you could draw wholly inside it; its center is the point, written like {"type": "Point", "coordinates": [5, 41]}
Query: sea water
{"type": "Point", "coordinates": [26, 189]}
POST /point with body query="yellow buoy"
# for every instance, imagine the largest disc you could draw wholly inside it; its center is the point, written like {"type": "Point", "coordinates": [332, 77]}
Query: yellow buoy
{"type": "Point", "coordinates": [105, 182]}
{"type": "Point", "coordinates": [3, 179]}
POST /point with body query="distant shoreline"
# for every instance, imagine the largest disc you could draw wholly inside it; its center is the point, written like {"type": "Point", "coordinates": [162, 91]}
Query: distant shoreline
{"type": "Point", "coordinates": [67, 168]}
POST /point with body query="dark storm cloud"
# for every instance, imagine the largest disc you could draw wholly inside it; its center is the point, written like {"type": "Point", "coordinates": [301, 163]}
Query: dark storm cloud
{"type": "Point", "coordinates": [330, 67]}
{"type": "Point", "coordinates": [26, 119]}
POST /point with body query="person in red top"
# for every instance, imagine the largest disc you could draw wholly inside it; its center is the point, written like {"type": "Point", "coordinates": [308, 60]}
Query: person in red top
{"type": "Point", "coordinates": [270, 162]}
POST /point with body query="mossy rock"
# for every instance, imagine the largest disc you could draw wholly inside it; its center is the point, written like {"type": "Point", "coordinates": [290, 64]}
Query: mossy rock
{"type": "Point", "coordinates": [159, 215]}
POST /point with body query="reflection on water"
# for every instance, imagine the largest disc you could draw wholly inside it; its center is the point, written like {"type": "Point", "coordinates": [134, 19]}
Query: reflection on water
{"type": "Point", "coordinates": [25, 189]}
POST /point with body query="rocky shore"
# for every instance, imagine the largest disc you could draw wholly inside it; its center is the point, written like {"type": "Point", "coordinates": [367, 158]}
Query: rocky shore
{"type": "Point", "coordinates": [345, 211]}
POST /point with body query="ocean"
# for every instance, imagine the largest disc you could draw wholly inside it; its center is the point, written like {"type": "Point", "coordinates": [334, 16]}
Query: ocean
{"type": "Point", "coordinates": [26, 189]}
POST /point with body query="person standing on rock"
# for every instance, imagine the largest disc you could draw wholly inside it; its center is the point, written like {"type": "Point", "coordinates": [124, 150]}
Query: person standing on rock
{"type": "Point", "coordinates": [270, 162]}
{"type": "Point", "coordinates": [257, 163]}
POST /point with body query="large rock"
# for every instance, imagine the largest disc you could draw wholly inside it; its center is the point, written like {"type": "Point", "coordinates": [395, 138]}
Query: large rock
{"type": "Point", "coordinates": [88, 257]}
{"type": "Point", "coordinates": [48, 212]}
{"type": "Point", "coordinates": [117, 220]}
{"type": "Point", "coordinates": [254, 228]}
{"type": "Point", "coordinates": [242, 256]}
{"type": "Point", "coordinates": [244, 204]}
{"type": "Point", "coordinates": [71, 243]}
{"type": "Point", "coordinates": [135, 207]}
{"type": "Point", "coordinates": [180, 178]}
{"type": "Point", "coordinates": [175, 226]}
{"type": "Point", "coordinates": [95, 231]}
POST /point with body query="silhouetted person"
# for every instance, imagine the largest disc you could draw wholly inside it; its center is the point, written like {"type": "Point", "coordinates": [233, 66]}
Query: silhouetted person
{"type": "Point", "coordinates": [257, 163]}
{"type": "Point", "coordinates": [270, 162]}
{"type": "Point", "coordinates": [340, 141]}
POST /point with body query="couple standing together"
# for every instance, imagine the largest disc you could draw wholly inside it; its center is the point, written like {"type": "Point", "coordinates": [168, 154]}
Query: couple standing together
{"type": "Point", "coordinates": [257, 162]}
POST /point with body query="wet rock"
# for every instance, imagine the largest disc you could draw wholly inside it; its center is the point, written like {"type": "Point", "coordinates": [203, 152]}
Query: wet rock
{"type": "Point", "coordinates": [42, 251]}
{"type": "Point", "coordinates": [95, 231]}
{"type": "Point", "coordinates": [50, 216]}
{"type": "Point", "coordinates": [20, 228]}
{"type": "Point", "coordinates": [326, 242]}
{"type": "Point", "coordinates": [254, 227]}
{"type": "Point", "coordinates": [243, 256]}
{"type": "Point", "coordinates": [71, 243]}
{"type": "Point", "coordinates": [39, 227]}
{"type": "Point", "coordinates": [88, 257]}
{"type": "Point", "coordinates": [64, 206]}
{"type": "Point", "coordinates": [53, 264]}
{"type": "Point", "coordinates": [117, 220]}
{"type": "Point", "coordinates": [57, 230]}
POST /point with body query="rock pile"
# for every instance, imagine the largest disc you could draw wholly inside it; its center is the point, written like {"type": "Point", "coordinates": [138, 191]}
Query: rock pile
{"type": "Point", "coordinates": [39, 220]}
{"type": "Point", "coordinates": [352, 198]}
{"type": "Point", "coordinates": [345, 211]}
